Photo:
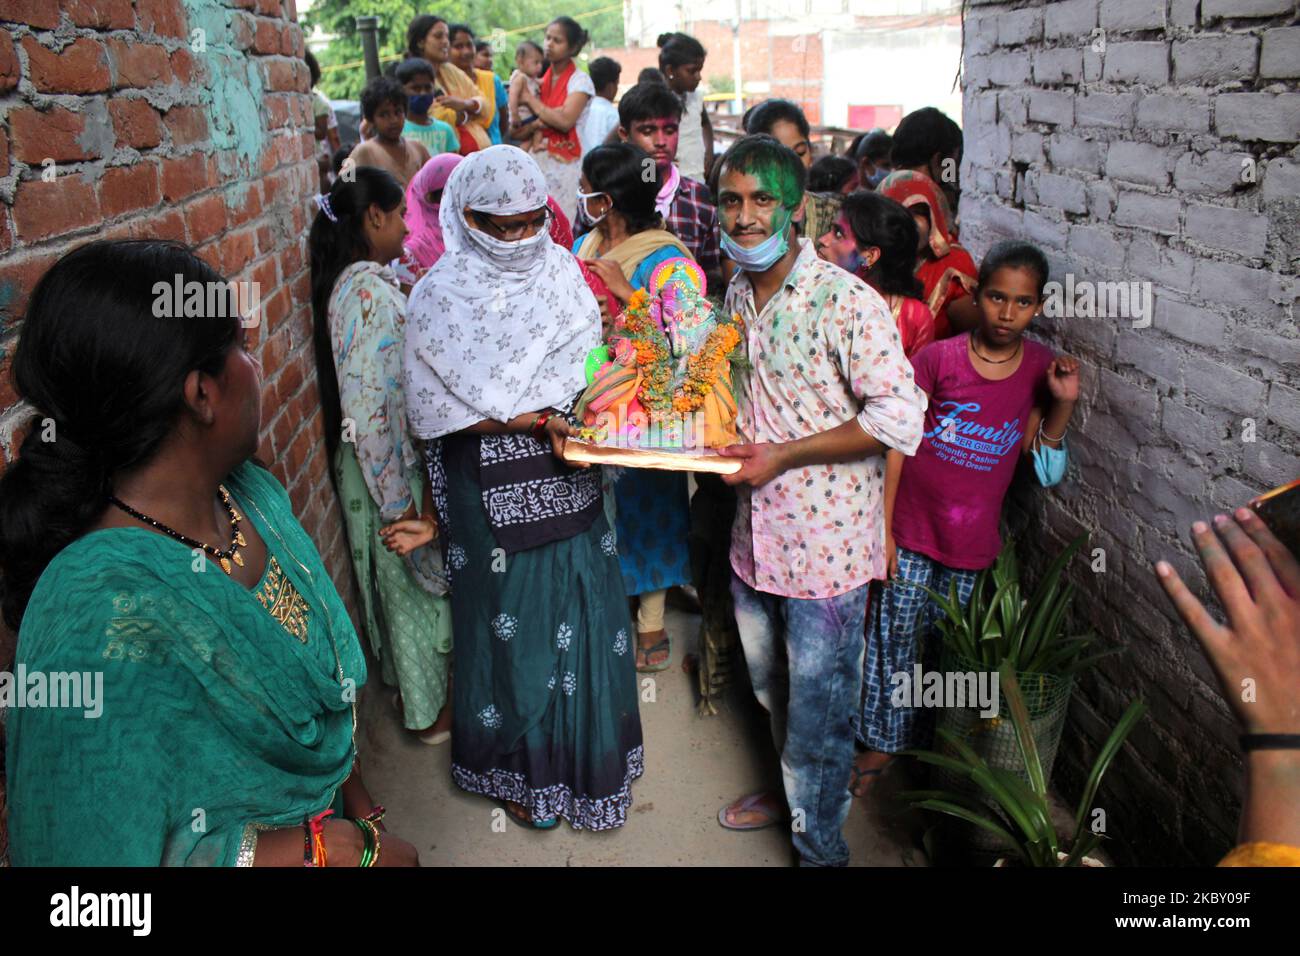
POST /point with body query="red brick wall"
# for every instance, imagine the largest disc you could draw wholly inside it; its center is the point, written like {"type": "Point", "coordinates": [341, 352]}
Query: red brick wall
{"type": "Point", "coordinates": [113, 93]}
{"type": "Point", "coordinates": [793, 65]}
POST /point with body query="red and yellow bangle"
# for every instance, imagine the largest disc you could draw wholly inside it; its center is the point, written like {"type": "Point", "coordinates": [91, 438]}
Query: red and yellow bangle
{"type": "Point", "coordinates": [316, 839]}
{"type": "Point", "coordinates": [540, 424]}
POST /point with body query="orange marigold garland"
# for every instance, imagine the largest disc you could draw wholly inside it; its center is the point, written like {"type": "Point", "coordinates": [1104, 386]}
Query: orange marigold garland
{"type": "Point", "coordinates": [710, 363]}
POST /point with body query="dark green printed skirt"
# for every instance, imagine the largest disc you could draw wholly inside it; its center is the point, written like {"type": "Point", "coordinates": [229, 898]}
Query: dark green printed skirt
{"type": "Point", "coordinates": [545, 689]}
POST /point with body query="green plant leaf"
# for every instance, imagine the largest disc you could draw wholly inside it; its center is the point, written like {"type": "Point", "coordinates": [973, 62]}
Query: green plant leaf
{"type": "Point", "coordinates": [1044, 595]}
{"type": "Point", "coordinates": [1108, 752]}
{"type": "Point", "coordinates": [1024, 730]}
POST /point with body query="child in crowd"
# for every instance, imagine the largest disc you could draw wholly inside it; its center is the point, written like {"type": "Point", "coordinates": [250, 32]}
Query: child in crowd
{"type": "Point", "coordinates": [648, 117]}
{"type": "Point", "coordinates": [831, 174]}
{"type": "Point", "coordinates": [872, 153]}
{"type": "Point", "coordinates": [359, 317]}
{"type": "Point", "coordinates": [994, 397]}
{"type": "Point", "coordinates": [339, 158]}
{"type": "Point", "coordinates": [529, 64]}
{"type": "Point", "coordinates": [875, 239]}
{"type": "Point", "coordinates": [600, 118]}
{"type": "Point", "coordinates": [327, 124]}
{"type": "Point", "coordinates": [418, 78]}
{"type": "Point", "coordinates": [383, 104]}
{"type": "Point", "coordinates": [945, 269]}
{"type": "Point", "coordinates": [829, 179]}
{"type": "Point", "coordinates": [785, 122]}
{"type": "Point", "coordinates": [681, 60]}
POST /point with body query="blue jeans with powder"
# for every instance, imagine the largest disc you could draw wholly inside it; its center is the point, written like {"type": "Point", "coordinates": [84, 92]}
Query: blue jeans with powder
{"type": "Point", "coordinates": [805, 663]}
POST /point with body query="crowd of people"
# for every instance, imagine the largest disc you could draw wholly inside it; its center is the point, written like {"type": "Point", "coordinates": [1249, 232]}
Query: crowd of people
{"type": "Point", "coordinates": [466, 257]}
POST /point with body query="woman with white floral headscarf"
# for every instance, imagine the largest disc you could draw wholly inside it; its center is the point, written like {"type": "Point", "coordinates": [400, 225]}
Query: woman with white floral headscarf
{"type": "Point", "coordinates": [497, 334]}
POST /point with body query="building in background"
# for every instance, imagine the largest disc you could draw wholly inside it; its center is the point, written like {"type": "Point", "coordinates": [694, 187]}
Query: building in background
{"type": "Point", "coordinates": [854, 63]}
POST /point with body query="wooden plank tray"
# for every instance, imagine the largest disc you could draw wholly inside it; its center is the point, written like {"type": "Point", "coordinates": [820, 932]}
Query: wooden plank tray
{"type": "Point", "coordinates": [589, 453]}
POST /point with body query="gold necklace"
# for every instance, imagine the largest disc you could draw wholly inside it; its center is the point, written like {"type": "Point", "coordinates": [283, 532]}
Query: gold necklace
{"type": "Point", "coordinates": [222, 557]}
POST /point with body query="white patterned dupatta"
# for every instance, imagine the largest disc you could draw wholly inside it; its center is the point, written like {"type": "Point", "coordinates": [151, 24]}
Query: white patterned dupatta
{"type": "Point", "coordinates": [495, 329]}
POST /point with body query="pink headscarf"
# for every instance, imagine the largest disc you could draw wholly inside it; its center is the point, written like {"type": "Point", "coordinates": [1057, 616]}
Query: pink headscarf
{"type": "Point", "coordinates": [424, 232]}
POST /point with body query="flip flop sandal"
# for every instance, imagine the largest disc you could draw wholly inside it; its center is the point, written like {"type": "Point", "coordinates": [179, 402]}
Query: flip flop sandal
{"type": "Point", "coordinates": [859, 773]}
{"type": "Point", "coordinates": [665, 644]}
{"type": "Point", "coordinates": [750, 804]}
{"type": "Point", "coordinates": [550, 823]}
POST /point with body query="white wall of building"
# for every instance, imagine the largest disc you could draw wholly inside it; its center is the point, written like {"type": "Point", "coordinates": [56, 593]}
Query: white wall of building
{"type": "Point", "coordinates": [910, 68]}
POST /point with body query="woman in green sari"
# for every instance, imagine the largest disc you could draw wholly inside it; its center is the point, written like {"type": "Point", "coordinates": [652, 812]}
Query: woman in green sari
{"type": "Point", "coordinates": [142, 549]}
{"type": "Point", "coordinates": [360, 314]}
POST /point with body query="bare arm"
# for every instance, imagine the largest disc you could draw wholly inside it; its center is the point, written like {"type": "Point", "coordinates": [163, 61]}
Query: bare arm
{"type": "Point", "coordinates": [563, 119]}
{"type": "Point", "coordinates": [555, 430]}
{"type": "Point", "coordinates": [707, 124]}
{"type": "Point", "coordinates": [512, 98]}
{"type": "Point", "coordinates": [1063, 381]}
{"type": "Point", "coordinates": [518, 424]}
{"type": "Point", "coordinates": [893, 472]}
{"type": "Point", "coordinates": [766, 461]}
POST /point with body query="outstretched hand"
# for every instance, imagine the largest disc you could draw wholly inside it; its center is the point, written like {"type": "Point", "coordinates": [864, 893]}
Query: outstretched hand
{"type": "Point", "coordinates": [403, 537]}
{"type": "Point", "coordinates": [557, 430]}
{"type": "Point", "coordinates": [1257, 581]}
{"type": "Point", "coordinates": [763, 462]}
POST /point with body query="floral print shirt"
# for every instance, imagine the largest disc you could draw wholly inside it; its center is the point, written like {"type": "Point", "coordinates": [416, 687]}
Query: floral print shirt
{"type": "Point", "coordinates": [367, 316]}
{"type": "Point", "coordinates": [824, 350]}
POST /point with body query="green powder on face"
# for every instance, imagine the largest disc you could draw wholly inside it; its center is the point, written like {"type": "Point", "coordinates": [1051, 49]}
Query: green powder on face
{"type": "Point", "coordinates": [777, 180]}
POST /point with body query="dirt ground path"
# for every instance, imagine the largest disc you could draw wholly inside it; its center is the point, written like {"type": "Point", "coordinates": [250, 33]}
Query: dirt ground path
{"type": "Point", "coordinates": [693, 766]}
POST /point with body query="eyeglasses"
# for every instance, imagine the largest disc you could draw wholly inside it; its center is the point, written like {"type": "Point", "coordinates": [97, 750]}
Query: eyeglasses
{"type": "Point", "coordinates": [514, 231]}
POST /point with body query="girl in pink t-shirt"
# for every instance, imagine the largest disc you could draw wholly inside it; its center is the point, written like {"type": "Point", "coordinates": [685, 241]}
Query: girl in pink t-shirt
{"type": "Point", "coordinates": [994, 397]}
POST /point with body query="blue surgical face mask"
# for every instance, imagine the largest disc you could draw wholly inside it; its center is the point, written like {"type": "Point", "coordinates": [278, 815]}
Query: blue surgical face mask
{"type": "Point", "coordinates": [763, 256]}
{"type": "Point", "coordinates": [420, 103]}
{"type": "Point", "coordinates": [875, 178]}
{"type": "Point", "coordinates": [1049, 464]}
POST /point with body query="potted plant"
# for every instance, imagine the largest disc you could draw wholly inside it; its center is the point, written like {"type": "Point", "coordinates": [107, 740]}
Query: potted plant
{"type": "Point", "coordinates": [999, 626]}
{"type": "Point", "coordinates": [1012, 807]}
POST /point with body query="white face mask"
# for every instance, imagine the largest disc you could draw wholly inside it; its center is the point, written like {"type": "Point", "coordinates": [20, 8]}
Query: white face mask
{"type": "Point", "coordinates": [509, 254]}
{"type": "Point", "coordinates": [586, 214]}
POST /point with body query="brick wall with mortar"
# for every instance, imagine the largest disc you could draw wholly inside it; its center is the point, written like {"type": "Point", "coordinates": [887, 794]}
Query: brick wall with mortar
{"type": "Point", "coordinates": [1150, 141]}
{"type": "Point", "coordinates": [177, 119]}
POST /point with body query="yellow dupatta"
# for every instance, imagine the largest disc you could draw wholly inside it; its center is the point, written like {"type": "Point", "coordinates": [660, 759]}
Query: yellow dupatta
{"type": "Point", "coordinates": [488, 90]}
{"type": "Point", "coordinates": [631, 251]}
{"type": "Point", "coordinates": [455, 82]}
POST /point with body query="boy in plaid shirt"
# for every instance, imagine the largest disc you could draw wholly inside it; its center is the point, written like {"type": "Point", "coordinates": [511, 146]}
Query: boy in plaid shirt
{"type": "Point", "coordinates": [649, 116]}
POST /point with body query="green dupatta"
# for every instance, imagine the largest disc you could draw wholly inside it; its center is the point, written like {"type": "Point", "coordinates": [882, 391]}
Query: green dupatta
{"type": "Point", "coordinates": [216, 721]}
